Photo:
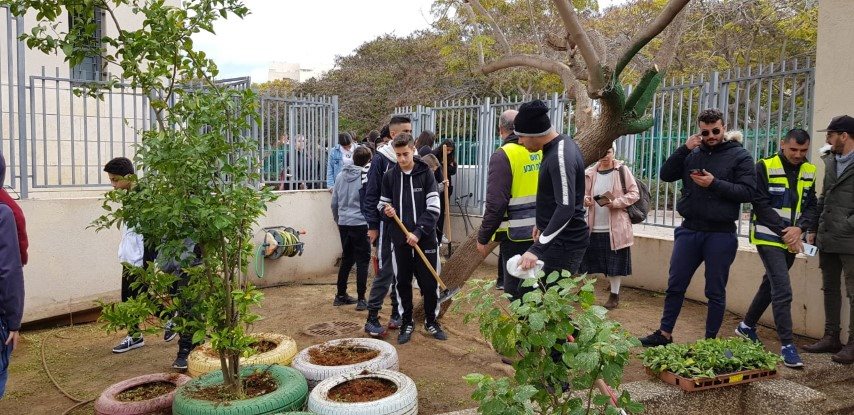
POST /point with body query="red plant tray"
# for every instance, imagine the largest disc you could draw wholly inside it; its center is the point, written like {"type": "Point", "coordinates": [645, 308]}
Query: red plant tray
{"type": "Point", "coordinates": [728, 379]}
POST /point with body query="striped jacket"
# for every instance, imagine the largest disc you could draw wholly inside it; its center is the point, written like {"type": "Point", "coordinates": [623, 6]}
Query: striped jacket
{"type": "Point", "coordinates": [416, 200]}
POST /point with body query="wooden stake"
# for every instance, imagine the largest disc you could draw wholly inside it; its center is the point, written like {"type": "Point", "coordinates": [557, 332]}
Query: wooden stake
{"type": "Point", "coordinates": [447, 197]}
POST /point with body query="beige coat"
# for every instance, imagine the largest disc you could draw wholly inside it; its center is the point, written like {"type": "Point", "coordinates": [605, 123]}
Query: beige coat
{"type": "Point", "coordinates": [621, 225]}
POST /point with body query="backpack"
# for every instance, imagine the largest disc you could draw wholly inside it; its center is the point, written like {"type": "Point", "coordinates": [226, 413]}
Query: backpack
{"type": "Point", "coordinates": [638, 210]}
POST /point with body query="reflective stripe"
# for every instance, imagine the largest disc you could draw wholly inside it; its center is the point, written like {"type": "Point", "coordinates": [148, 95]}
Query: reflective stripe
{"type": "Point", "coordinates": [781, 199]}
{"type": "Point", "coordinates": [523, 200]}
{"type": "Point", "coordinates": [515, 223]}
{"type": "Point", "coordinates": [563, 180]}
{"type": "Point", "coordinates": [522, 208]}
{"type": "Point", "coordinates": [784, 213]}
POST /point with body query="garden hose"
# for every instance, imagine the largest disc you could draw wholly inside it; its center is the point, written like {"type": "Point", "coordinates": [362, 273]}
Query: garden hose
{"type": "Point", "coordinates": [78, 402]}
{"type": "Point", "coordinates": [279, 241]}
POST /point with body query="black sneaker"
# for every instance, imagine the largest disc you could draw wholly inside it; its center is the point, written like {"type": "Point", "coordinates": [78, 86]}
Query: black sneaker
{"type": "Point", "coordinates": [394, 322]}
{"type": "Point", "coordinates": [436, 330]}
{"type": "Point", "coordinates": [129, 343]}
{"type": "Point", "coordinates": [361, 305]}
{"type": "Point", "coordinates": [655, 339]}
{"type": "Point", "coordinates": [374, 328]}
{"type": "Point", "coordinates": [168, 333]}
{"type": "Point", "coordinates": [343, 300]}
{"type": "Point", "coordinates": [405, 333]}
{"type": "Point", "coordinates": [499, 287]}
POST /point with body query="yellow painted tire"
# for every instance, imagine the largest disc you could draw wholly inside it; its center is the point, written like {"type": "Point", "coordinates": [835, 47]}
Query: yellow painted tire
{"type": "Point", "coordinates": [201, 362]}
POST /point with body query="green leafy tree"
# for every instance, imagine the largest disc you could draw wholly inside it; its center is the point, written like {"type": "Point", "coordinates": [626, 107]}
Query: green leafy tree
{"type": "Point", "coordinates": [199, 163]}
{"type": "Point", "coordinates": [534, 330]}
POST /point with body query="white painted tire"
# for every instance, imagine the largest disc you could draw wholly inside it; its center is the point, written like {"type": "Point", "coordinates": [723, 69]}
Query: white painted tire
{"type": "Point", "coordinates": [200, 362]}
{"type": "Point", "coordinates": [402, 402]}
{"type": "Point", "coordinates": [314, 374]}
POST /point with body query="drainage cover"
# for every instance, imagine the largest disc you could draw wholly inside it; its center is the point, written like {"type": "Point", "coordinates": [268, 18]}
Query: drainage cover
{"type": "Point", "coordinates": [332, 328]}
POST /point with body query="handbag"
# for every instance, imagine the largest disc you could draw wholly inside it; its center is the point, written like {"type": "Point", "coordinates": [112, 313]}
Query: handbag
{"type": "Point", "coordinates": [637, 211]}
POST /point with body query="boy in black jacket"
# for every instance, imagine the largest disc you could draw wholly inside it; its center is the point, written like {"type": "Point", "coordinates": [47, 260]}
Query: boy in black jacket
{"type": "Point", "coordinates": [410, 188]}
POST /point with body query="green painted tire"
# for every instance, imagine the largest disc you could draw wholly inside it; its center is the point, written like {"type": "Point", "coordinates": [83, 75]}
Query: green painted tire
{"type": "Point", "coordinates": [289, 396]}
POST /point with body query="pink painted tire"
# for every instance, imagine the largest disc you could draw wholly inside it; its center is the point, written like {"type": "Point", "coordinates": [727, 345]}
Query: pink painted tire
{"type": "Point", "coordinates": [107, 404]}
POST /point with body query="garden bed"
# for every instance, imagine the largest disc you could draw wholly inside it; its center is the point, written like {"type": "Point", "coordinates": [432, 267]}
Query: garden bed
{"type": "Point", "coordinates": [727, 379]}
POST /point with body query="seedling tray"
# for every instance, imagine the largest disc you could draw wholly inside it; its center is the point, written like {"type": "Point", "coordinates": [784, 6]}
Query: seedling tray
{"type": "Point", "coordinates": [720, 381]}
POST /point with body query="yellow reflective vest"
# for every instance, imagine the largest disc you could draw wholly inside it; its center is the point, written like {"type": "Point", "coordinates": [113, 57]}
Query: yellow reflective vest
{"type": "Point", "coordinates": [785, 201]}
{"type": "Point", "coordinates": [521, 215]}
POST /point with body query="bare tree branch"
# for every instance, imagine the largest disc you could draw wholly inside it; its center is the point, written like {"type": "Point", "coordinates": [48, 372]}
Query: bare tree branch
{"type": "Point", "coordinates": [532, 61]}
{"type": "Point", "coordinates": [642, 39]}
{"type": "Point", "coordinates": [578, 69]}
{"type": "Point", "coordinates": [665, 55]}
{"type": "Point", "coordinates": [595, 77]}
{"type": "Point", "coordinates": [496, 30]}
{"type": "Point", "coordinates": [473, 18]}
{"type": "Point", "coordinates": [556, 42]}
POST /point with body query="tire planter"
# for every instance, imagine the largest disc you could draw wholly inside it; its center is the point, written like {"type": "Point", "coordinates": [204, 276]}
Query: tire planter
{"type": "Point", "coordinates": [107, 404]}
{"type": "Point", "coordinates": [289, 396]}
{"type": "Point", "coordinates": [402, 402]}
{"type": "Point", "coordinates": [200, 362]}
{"type": "Point", "coordinates": [314, 374]}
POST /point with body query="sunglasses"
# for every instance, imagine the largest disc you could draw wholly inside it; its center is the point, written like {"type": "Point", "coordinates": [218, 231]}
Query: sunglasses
{"type": "Point", "coordinates": [715, 131]}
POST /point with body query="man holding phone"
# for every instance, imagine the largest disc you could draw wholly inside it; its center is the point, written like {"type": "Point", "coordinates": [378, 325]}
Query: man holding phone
{"type": "Point", "coordinates": [717, 176]}
{"type": "Point", "coordinates": [783, 209]}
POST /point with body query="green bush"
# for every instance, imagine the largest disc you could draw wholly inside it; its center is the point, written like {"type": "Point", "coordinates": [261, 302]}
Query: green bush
{"type": "Point", "coordinates": [709, 358]}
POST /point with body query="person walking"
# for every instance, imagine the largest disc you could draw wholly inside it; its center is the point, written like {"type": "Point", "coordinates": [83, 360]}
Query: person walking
{"type": "Point", "coordinates": [717, 175]}
{"type": "Point", "coordinates": [835, 238]}
{"type": "Point", "coordinates": [611, 236]}
{"type": "Point", "coordinates": [783, 208]}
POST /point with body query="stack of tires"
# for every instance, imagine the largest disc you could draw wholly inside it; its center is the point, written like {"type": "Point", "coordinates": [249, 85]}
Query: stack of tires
{"type": "Point", "coordinates": [321, 379]}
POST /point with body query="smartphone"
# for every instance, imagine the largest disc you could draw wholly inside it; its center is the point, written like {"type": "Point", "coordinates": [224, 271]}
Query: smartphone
{"type": "Point", "coordinates": [603, 199]}
{"type": "Point", "coordinates": [698, 172]}
{"type": "Point", "coordinates": [810, 250]}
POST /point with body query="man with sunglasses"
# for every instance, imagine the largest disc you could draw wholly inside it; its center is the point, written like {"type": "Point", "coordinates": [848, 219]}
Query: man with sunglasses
{"type": "Point", "coordinates": [835, 238]}
{"type": "Point", "coordinates": [717, 176]}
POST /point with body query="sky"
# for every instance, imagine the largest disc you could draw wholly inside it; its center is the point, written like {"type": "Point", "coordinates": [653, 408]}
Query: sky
{"type": "Point", "coordinates": [309, 32]}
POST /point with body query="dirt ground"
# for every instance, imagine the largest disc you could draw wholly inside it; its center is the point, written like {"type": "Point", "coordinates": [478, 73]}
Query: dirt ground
{"type": "Point", "coordinates": [80, 360]}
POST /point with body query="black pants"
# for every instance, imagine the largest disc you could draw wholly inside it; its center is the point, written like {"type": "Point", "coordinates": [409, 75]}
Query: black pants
{"type": "Point", "coordinates": [558, 258]}
{"type": "Point", "coordinates": [406, 263]}
{"type": "Point", "coordinates": [384, 280]}
{"type": "Point", "coordinates": [357, 250]}
{"type": "Point", "coordinates": [508, 249]}
{"type": "Point", "coordinates": [837, 269]}
{"type": "Point", "coordinates": [775, 290]}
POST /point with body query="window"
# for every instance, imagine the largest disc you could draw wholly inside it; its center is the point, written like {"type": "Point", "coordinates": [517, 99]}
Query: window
{"type": "Point", "coordinates": [91, 69]}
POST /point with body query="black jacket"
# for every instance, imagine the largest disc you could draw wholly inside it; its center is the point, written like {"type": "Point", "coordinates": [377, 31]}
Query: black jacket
{"type": "Point", "coordinates": [382, 162]}
{"type": "Point", "coordinates": [560, 198]}
{"type": "Point", "coordinates": [11, 272]}
{"type": "Point", "coordinates": [717, 207]}
{"type": "Point", "coordinates": [416, 201]}
{"type": "Point", "coordinates": [499, 181]}
{"type": "Point", "coordinates": [766, 215]}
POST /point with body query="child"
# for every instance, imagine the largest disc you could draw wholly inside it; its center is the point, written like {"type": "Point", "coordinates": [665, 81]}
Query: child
{"type": "Point", "coordinates": [410, 188]}
{"type": "Point", "coordinates": [346, 209]}
{"type": "Point", "coordinates": [131, 250]}
{"type": "Point", "coordinates": [433, 163]}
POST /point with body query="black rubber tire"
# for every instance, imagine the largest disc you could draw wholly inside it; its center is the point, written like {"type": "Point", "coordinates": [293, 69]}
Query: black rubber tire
{"type": "Point", "coordinates": [107, 404]}
{"type": "Point", "coordinates": [290, 395]}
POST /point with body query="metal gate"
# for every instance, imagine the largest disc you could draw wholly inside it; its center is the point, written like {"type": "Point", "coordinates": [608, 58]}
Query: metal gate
{"type": "Point", "coordinates": [13, 116]}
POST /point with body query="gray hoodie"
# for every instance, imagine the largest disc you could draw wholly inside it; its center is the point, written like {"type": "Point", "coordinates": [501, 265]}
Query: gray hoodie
{"type": "Point", "coordinates": [346, 207]}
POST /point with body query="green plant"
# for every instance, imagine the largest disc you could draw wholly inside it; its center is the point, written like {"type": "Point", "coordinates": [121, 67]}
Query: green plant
{"type": "Point", "coordinates": [535, 329]}
{"type": "Point", "coordinates": [709, 358]}
{"type": "Point", "coordinates": [200, 163]}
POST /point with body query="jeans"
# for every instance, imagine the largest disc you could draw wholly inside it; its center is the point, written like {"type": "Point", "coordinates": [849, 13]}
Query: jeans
{"type": "Point", "coordinates": [357, 250]}
{"type": "Point", "coordinates": [690, 249]}
{"type": "Point", "coordinates": [5, 358]}
{"type": "Point", "coordinates": [833, 268]}
{"type": "Point", "coordinates": [384, 280]}
{"type": "Point", "coordinates": [775, 290]}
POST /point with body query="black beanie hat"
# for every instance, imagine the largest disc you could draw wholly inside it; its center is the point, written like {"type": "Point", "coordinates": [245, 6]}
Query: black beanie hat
{"type": "Point", "coordinates": [533, 119]}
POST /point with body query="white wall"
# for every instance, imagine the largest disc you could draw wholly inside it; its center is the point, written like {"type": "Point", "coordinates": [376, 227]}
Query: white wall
{"type": "Point", "coordinates": [72, 266]}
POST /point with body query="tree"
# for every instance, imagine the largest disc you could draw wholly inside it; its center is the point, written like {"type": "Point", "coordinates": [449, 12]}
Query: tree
{"type": "Point", "coordinates": [199, 163]}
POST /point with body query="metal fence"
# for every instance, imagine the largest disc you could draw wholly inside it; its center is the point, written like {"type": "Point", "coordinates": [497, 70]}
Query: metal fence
{"type": "Point", "coordinates": [54, 137]}
{"type": "Point", "coordinates": [762, 102]}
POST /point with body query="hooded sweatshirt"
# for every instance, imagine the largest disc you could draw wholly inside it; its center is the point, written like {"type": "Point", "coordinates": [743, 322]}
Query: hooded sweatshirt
{"type": "Point", "coordinates": [20, 222]}
{"type": "Point", "coordinates": [11, 271]}
{"type": "Point", "coordinates": [346, 202]}
{"type": "Point", "coordinates": [415, 198]}
{"type": "Point", "coordinates": [383, 160]}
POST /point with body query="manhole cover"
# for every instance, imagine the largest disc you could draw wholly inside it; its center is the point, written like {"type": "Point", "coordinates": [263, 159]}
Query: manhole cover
{"type": "Point", "coordinates": [331, 328]}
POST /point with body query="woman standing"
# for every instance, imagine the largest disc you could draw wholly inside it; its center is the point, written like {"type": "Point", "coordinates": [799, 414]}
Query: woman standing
{"type": "Point", "coordinates": [609, 224]}
{"type": "Point", "coordinates": [449, 147]}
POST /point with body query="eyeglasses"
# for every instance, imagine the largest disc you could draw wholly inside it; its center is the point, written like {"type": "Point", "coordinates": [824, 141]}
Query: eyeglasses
{"type": "Point", "coordinates": [715, 131]}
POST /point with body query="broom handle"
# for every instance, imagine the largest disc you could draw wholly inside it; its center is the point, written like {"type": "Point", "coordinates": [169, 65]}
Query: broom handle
{"type": "Point", "coordinates": [447, 197]}
{"type": "Point", "coordinates": [421, 253]}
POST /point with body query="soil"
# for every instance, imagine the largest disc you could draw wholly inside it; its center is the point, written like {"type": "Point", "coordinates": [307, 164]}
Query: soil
{"type": "Point", "coordinates": [80, 360]}
{"type": "Point", "coordinates": [145, 391]}
{"type": "Point", "coordinates": [362, 390]}
{"type": "Point", "coordinates": [255, 385]}
{"type": "Point", "coordinates": [341, 354]}
{"type": "Point", "coordinates": [260, 346]}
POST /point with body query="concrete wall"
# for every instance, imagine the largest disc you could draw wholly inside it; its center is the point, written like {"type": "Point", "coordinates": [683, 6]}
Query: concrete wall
{"type": "Point", "coordinates": [72, 266]}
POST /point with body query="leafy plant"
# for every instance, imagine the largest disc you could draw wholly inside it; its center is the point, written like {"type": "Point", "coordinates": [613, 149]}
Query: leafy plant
{"type": "Point", "coordinates": [535, 330]}
{"type": "Point", "coordinates": [200, 163]}
{"type": "Point", "coordinates": [709, 358]}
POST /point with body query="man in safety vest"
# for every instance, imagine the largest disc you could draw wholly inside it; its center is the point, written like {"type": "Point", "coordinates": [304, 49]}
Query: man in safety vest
{"type": "Point", "coordinates": [783, 210]}
{"type": "Point", "coordinates": [511, 192]}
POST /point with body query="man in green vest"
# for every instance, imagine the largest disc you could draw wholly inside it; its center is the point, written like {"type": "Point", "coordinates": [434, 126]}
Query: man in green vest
{"type": "Point", "coordinates": [783, 210]}
{"type": "Point", "coordinates": [835, 238]}
{"type": "Point", "coordinates": [511, 192]}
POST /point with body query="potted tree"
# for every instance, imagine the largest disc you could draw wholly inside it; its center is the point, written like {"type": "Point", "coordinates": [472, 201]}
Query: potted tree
{"type": "Point", "coordinates": [199, 189]}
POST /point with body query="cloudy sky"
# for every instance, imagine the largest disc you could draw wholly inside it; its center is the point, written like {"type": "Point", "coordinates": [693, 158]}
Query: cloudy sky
{"type": "Point", "coordinates": [309, 32]}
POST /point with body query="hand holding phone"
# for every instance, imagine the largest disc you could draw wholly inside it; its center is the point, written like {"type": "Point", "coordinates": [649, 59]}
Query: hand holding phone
{"type": "Point", "coordinates": [698, 172]}
{"type": "Point", "coordinates": [604, 199]}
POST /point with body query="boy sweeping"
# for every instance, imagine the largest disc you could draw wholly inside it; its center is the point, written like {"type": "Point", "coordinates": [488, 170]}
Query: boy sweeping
{"type": "Point", "coordinates": [409, 190]}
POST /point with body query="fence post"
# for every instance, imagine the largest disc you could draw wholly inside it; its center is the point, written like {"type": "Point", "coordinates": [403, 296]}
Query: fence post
{"type": "Point", "coordinates": [22, 111]}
